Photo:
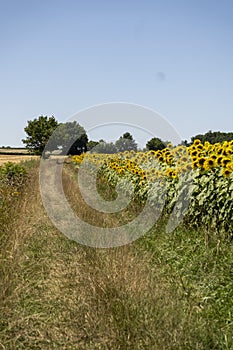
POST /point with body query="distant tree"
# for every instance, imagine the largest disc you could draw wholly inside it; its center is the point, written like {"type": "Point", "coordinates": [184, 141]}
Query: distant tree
{"type": "Point", "coordinates": [38, 133]}
{"type": "Point", "coordinates": [126, 143]}
{"type": "Point", "coordinates": [155, 144]}
{"type": "Point", "coordinates": [127, 136]}
{"type": "Point", "coordinates": [71, 137]}
{"type": "Point", "coordinates": [214, 137]}
{"type": "Point", "coordinates": [91, 144]}
{"type": "Point", "coordinates": [105, 147]}
{"type": "Point", "coordinates": [184, 143]}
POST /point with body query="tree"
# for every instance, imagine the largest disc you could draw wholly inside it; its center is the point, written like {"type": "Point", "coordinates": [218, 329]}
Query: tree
{"type": "Point", "coordinates": [91, 144]}
{"type": "Point", "coordinates": [127, 136]}
{"type": "Point", "coordinates": [105, 147]}
{"type": "Point", "coordinates": [184, 143]}
{"type": "Point", "coordinates": [155, 144]}
{"type": "Point", "coordinates": [214, 137]}
{"type": "Point", "coordinates": [39, 131]}
{"type": "Point", "coordinates": [71, 137]}
{"type": "Point", "coordinates": [126, 143]}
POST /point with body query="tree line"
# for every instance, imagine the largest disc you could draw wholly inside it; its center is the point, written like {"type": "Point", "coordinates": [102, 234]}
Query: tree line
{"type": "Point", "coordinates": [71, 138]}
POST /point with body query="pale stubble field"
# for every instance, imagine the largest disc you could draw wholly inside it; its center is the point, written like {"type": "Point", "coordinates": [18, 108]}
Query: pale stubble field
{"type": "Point", "coordinates": [10, 155]}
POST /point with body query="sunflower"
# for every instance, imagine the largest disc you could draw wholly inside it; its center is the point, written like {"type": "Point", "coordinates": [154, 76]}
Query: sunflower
{"type": "Point", "coordinates": [195, 164]}
{"type": "Point", "coordinates": [183, 159]}
{"type": "Point", "coordinates": [161, 159]}
{"type": "Point", "coordinates": [207, 144]}
{"type": "Point", "coordinates": [174, 174]}
{"type": "Point", "coordinates": [224, 152]}
{"type": "Point", "coordinates": [187, 167]}
{"type": "Point", "coordinates": [169, 146]}
{"type": "Point", "coordinates": [225, 161]}
{"type": "Point", "coordinates": [200, 147]}
{"type": "Point", "coordinates": [121, 171]}
{"type": "Point", "coordinates": [169, 159]}
{"type": "Point", "coordinates": [213, 156]}
{"type": "Point", "coordinates": [197, 142]}
{"type": "Point", "coordinates": [230, 166]}
{"type": "Point", "coordinates": [201, 161]}
{"type": "Point", "coordinates": [194, 159]}
{"type": "Point", "coordinates": [229, 151]}
{"type": "Point", "coordinates": [152, 178]}
{"type": "Point", "coordinates": [194, 153]}
{"type": "Point", "coordinates": [209, 164]}
{"type": "Point", "coordinates": [226, 172]}
{"type": "Point", "coordinates": [169, 172]}
{"type": "Point", "coordinates": [218, 151]}
{"type": "Point", "coordinates": [219, 160]}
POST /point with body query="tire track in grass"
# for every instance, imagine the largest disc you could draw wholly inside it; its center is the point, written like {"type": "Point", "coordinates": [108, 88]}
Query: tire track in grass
{"type": "Point", "coordinates": [68, 296]}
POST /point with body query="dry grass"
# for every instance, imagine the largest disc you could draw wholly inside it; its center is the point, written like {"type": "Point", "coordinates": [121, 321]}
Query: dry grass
{"type": "Point", "coordinates": [61, 295]}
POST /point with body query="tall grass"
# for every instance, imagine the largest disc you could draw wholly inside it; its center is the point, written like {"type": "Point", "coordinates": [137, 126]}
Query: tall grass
{"type": "Point", "coordinates": [161, 292]}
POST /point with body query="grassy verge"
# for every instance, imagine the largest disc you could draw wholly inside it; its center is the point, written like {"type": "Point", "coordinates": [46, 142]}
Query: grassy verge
{"type": "Point", "coordinates": [162, 292]}
{"type": "Point", "coordinates": [200, 266]}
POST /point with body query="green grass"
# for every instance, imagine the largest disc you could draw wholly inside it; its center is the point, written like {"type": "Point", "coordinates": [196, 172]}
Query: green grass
{"type": "Point", "coordinates": [164, 291]}
{"type": "Point", "coordinates": [201, 265]}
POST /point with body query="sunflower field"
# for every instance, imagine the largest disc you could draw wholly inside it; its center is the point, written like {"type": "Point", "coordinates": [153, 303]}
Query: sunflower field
{"type": "Point", "coordinates": [195, 182]}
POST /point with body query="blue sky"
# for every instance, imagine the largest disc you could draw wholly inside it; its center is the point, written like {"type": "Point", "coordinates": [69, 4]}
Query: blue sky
{"type": "Point", "coordinates": [59, 57]}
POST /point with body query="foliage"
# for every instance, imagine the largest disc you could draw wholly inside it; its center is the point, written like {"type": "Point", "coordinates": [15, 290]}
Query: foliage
{"type": "Point", "coordinates": [155, 144]}
{"type": "Point", "coordinates": [105, 148]}
{"type": "Point", "coordinates": [214, 137]}
{"type": "Point", "coordinates": [71, 137]}
{"type": "Point", "coordinates": [91, 144]}
{"type": "Point", "coordinates": [47, 132]}
{"type": "Point", "coordinates": [12, 174]}
{"type": "Point", "coordinates": [126, 143]}
{"type": "Point", "coordinates": [39, 131]}
{"type": "Point", "coordinates": [12, 177]}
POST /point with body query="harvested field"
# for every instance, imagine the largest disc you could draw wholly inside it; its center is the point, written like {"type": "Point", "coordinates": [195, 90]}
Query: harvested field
{"type": "Point", "coordinates": [14, 151]}
{"type": "Point", "coordinates": [4, 158]}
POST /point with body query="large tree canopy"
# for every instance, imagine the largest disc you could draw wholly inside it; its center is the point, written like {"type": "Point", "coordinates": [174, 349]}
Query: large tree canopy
{"type": "Point", "coordinates": [155, 144]}
{"type": "Point", "coordinates": [38, 133]}
{"type": "Point", "coordinates": [43, 132]}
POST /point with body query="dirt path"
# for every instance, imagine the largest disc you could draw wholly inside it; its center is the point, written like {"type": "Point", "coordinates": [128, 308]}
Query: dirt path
{"type": "Point", "coordinates": [67, 296]}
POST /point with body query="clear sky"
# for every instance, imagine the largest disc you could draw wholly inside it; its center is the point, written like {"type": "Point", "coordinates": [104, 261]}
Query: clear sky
{"type": "Point", "coordinates": [61, 56]}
